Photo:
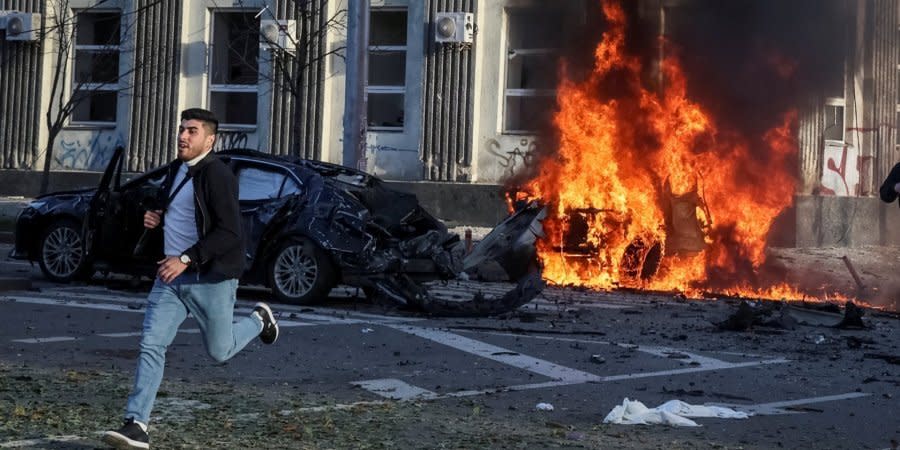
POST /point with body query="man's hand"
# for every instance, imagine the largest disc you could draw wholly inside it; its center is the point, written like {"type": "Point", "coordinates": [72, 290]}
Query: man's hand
{"type": "Point", "coordinates": [152, 218]}
{"type": "Point", "coordinates": [170, 268]}
{"type": "Point", "coordinates": [897, 188]}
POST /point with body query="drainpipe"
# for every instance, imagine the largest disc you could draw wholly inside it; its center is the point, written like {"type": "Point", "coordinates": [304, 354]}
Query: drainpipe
{"type": "Point", "coordinates": [661, 41]}
{"type": "Point", "coordinates": [354, 154]}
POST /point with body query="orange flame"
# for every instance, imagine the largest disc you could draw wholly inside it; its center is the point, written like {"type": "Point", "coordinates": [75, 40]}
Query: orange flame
{"type": "Point", "coordinates": [634, 166]}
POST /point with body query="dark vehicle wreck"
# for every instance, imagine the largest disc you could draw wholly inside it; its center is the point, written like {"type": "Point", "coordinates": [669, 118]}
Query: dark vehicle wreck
{"type": "Point", "coordinates": [308, 226]}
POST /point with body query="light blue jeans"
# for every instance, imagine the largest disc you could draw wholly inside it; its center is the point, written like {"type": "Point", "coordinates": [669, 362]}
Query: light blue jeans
{"type": "Point", "coordinates": [212, 305]}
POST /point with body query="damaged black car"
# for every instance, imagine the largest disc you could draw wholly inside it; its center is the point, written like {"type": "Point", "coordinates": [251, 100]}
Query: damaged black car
{"type": "Point", "coordinates": [308, 226]}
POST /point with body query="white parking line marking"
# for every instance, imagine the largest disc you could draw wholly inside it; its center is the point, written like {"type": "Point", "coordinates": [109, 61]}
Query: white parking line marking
{"type": "Point", "coordinates": [684, 356]}
{"type": "Point", "coordinates": [316, 319]}
{"type": "Point", "coordinates": [125, 304]}
{"type": "Point", "coordinates": [45, 340]}
{"type": "Point", "coordinates": [777, 408]}
{"type": "Point", "coordinates": [69, 303]}
{"type": "Point", "coordinates": [559, 375]}
{"type": "Point", "coordinates": [120, 335]}
{"type": "Point", "coordinates": [722, 366]}
{"type": "Point", "coordinates": [138, 333]}
{"type": "Point", "coordinates": [12, 262]}
{"type": "Point", "coordinates": [499, 354]}
{"type": "Point", "coordinates": [395, 389]}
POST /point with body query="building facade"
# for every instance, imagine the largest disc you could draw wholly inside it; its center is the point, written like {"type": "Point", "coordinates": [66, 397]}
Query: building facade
{"type": "Point", "coordinates": [456, 91]}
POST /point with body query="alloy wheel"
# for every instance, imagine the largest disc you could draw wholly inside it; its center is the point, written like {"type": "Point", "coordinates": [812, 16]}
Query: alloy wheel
{"type": "Point", "coordinates": [62, 252]}
{"type": "Point", "coordinates": [295, 271]}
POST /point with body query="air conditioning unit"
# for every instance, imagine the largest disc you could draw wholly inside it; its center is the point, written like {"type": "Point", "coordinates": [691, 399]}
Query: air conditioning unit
{"type": "Point", "coordinates": [23, 26]}
{"type": "Point", "coordinates": [278, 35]}
{"type": "Point", "coordinates": [3, 15]}
{"type": "Point", "coordinates": [454, 27]}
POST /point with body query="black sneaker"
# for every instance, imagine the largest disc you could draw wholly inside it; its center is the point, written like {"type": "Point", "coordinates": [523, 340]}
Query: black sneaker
{"type": "Point", "coordinates": [130, 437]}
{"type": "Point", "coordinates": [269, 333]}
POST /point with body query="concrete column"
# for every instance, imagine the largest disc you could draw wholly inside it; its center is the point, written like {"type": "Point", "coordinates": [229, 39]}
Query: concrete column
{"type": "Point", "coordinates": [357, 71]}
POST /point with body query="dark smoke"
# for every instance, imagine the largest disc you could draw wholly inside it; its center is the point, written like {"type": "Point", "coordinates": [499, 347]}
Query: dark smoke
{"type": "Point", "coordinates": [747, 62]}
{"type": "Point", "coordinates": [734, 54]}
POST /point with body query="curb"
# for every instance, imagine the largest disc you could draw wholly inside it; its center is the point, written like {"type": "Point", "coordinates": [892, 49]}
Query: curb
{"type": "Point", "coordinates": [15, 284]}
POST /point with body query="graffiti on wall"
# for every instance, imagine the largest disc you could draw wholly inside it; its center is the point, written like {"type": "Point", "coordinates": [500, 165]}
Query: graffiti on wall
{"type": "Point", "coordinates": [393, 162]}
{"type": "Point", "coordinates": [840, 173]}
{"type": "Point", "coordinates": [86, 150]}
{"type": "Point", "coordinates": [227, 140]}
{"type": "Point", "coordinates": [513, 158]}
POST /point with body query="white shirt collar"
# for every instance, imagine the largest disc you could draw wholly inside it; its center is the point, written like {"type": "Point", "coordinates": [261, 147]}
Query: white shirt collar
{"type": "Point", "coordinates": [194, 161]}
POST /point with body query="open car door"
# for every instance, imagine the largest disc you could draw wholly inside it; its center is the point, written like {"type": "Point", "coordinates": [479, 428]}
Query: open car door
{"type": "Point", "coordinates": [96, 227]}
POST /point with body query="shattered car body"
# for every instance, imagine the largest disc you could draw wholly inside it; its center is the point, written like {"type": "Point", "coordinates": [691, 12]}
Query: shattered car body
{"type": "Point", "coordinates": [308, 227]}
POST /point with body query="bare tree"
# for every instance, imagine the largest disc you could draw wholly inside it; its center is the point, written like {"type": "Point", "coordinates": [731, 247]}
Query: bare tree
{"type": "Point", "coordinates": [302, 48]}
{"type": "Point", "coordinates": [100, 73]}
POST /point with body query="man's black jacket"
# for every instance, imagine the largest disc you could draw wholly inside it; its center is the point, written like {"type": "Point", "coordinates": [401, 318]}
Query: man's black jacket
{"type": "Point", "coordinates": [888, 194]}
{"type": "Point", "coordinates": [218, 215]}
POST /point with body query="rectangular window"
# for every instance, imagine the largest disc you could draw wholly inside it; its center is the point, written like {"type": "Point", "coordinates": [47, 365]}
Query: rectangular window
{"type": "Point", "coordinates": [386, 82]}
{"type": "Point", "coordinates": [95, 73]}
{"type": "Point", "coordinates": [533, 43]}
{"type": "Point", "coordinates": [834, 120]}
{"type": "Point", "coordinates": [234, 68]}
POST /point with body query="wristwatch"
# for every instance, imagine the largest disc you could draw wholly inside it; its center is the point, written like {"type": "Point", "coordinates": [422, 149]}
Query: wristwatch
{"type": "Point", "coordinates": [185, 259]}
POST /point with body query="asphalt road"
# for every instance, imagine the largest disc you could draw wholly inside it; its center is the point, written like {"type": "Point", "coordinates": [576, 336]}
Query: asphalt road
{"type": "Point", "coordinates": [582, 352]}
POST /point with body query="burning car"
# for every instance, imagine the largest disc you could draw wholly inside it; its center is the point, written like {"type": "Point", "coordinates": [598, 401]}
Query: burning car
{"type": "Point", "coordinates": [308, 226]}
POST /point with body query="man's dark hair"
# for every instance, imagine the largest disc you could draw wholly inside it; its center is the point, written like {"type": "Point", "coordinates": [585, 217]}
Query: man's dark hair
{"type": "Point", "coordinates": [207, 117]}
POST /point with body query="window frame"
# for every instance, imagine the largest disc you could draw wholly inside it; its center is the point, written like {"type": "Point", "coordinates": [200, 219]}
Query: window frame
{"type": "Point", "coordinates": [508, 14]}
{"type": "Point", "coordinates": [836, 102]}
{"type": "Point", "coordinates": [230, 87]}
{"type": "Point", "coordinates": [387, 89]}
{"type": "Point", "coordinates": [92, 88]}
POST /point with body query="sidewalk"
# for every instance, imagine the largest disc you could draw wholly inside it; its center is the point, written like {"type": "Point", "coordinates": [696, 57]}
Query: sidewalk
{"type": "Point", "coordinates": [9, 210]}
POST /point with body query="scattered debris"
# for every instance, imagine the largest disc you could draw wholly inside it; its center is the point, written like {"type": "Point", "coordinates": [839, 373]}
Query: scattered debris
{"type": "Point", "coordinates": [859, 284]}
{"type": "Point", "coordinates": [803, 409]}
{"type": "Point", "coordinates": [852, 317]}
{"type": "Point", "coordinates": [597, 359]}
{"type": "Point", "coordinates": [561, 426]}
{"type": "Point", "coordinates": [367, 330]}
{"type": "Point", "coordinates": [743, 319]}
{"type": "Point", "coordinates": [672, 412]}
{"type": "Point", "coordinates": [788, 317]}
{"type": "Point", "coordinates": [544, 407]}
{"type": "Point", "coordinates": [891, 359]}
{"type": "Point", "coordinates": [858, 342]}
{"type": "Point", "coordinates": [683, 392]}
{"type": "Point", "coordinates": [814, 316]}
{"type": "Point", "coordinates": [575, 436]}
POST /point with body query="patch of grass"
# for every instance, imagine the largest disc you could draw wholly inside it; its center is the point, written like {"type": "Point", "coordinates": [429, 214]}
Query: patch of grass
{"type": "Point", "coordinates": [38, 402]}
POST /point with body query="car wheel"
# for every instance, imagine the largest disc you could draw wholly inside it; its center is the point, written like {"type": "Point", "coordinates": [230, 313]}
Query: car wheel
{"type": "Point", "coordinates": [61, 253]}
{"type": "Point", "coordinates": [300, 272]}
